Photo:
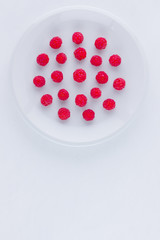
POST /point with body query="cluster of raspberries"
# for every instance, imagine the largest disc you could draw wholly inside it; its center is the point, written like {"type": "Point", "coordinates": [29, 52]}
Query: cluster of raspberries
{"type": "Point", "coordinates": [79, 76]}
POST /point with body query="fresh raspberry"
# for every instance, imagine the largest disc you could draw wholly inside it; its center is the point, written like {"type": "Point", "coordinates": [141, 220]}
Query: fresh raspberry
{"type": "Point", "coordinates": [55, 42]}
{"type": "Point", "coordinates": [61, 58]}
{"type": "Point", "coordinates": [77, 37]}
{"type": "Point", "coordinates": [39, 81]}
{"type": "Point", "coordinates": [95, 92]}
{"type": "Point", "coordinates": [96, 60]}
{"type": "Point", "coordinates": [63, 94]}
{"type": "Point", "coordinates": [102, 77]}
{"type": "Point", "coordinates": [109, 104]}
{"type": "Point", "coordinates": [100, 43]}
{"type": "Point", "coordinates": [79, 75]}
{"type": "Point", "coordinates": [80, 53]}
{"type": "Point", "coordinates": [63, 113]}
{"type": "Point", "coordinates": [46, 99]}
{"type": "Point", "coordinates": [88, 115]}
{"type": "Point", "coordinates": [42, 59]}
{"type": "Point", "coordinates": [81, 100]}
{"type": "Point", "coordinates": [115, 60]}
{"type": "Point", "coordinates": [119, 84]}
{"type": "Point", "coordinates": [57, 76]}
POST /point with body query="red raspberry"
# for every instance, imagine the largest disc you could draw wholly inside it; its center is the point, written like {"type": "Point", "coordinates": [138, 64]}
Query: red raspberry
{"type": "Point", "coordinates": [80, 53]}
{"type": "Point", "coordinates": [95, 92]}
{"type": "Point", "coordinates": [77, 37]}
{"type": "Point", "coordinates": [63, 94]}
{"type": "Point", "coordinates": [115, 60]}
{"type": "Point", "coordinates": [96, 60]}
{"type": "Point", "coordinates": [79, 75]}
{"type": "Point", "coordinates": [39, 81]}
{"type": "Point", "coordinates": [61, 58]}
{"type": "Point", "coordinates": [57, 76]}
{"type": "Point", "coordinates": [102, 77]}
{"type": "Point", "coordinates": [63, 113]}
{"type": "Point", "coordinates": [119, 84]}
{"type": "Point", "coordinates": [42, 59]}
{"type": "Point", "coordinates": [109, 104]}
{"type": "Point", "coordinates": [88, 115]}
{"type": "Point", "coordinates": [46, 99]}
{"type": "Point", "coordinates": [100, 43]}
{"type": "Point", "coordinates": [55, 42]}
{"type": "Point", "coordinates": [81, 100]}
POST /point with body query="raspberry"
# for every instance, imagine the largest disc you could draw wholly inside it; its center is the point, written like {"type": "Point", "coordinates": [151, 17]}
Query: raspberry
{"type": "Point", "coordinates": [100, 43]}
{"type": "Point", "coordinates": [77, 37]}
{"type": "Point", "coordinates": [88, 115]}
{"type": "Point", "coordinates": [63, 94]}
{"type": "Point", "coordinates": [61, 58]}
{"type": "Point", "coordinates": [63, 113]}
{"type": "Point", "coordinates": [57, 76]}
{"type": "Point", "coordinates": [79, 75]}
{"type": "Point", "coordinates": [80, 53]}
{"type": "Point", "coordinates": [55, 42]}
{"type": "Point", "coordinates": [115, 60]}
{"type": "Point", "coordinates": [96, 60]}
{"type": "Point", "coordinates": [42, 59]}
{"type": "Point", "coordinates": [81, 100]}
{"type": "Point", "coordinates": [39, 81]}
{"type": "Point", "coordinates": [102, 77]}
{"type": "Point", "coordinates": [46, 99]}
{"type": "Point", "coordinates": [119, 84]}
{"type": "Point", "coordinates": [95, 92]}
{"type": "Point", "coordinates": [109, 104]}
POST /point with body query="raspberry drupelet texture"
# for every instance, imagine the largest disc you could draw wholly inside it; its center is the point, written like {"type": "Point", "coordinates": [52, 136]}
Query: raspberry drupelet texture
{"type": "Point", "coordinates": [63, 94]}
{"type": "Point", "coordinates": [46, 99]}
{"type": "Point", "coordinates": [79, 75]}
{"type": "Point", "coordinates": [80, 53]}
{"type": "Point", "coordinates": [64, 113]}
{"type": "Point", "coordinates": [57, 76]}
{"type": "Point", "coordinates": [88, 115]}
{"type": "Point", "coordinates": [95, 92]}
{"type": "Point", "coordinates": [96, 60]}
{"type": "Point", "coordinates": [115, 60]}
{"type": "Point", "coordinates": [55, 42]}
{"type": "Point", "coordinates": [119, 83]}
{"type": "Point", "coordinates": [100, 43]}
{"type": "Point", "coordinates": [81, 100]}
{"type": "Point", "coordinates": [39, 81]}
{"type": "Point", "coordinates": [77, 37]}
{"type": "Point", "coordinates": [42, 59]}
{"type": "Point", "coordinates": [109, 104]}
{"type": "Point", "coordinates": [102, 77]}
{"type": "Point", "coordinates": [61, 58]}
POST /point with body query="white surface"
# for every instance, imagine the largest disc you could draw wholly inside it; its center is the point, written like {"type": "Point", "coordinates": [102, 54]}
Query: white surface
{"type": "Point", "coordinates": [107, 192]}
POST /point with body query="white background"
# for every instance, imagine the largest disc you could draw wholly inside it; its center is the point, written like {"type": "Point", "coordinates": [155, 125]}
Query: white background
{"type": "Point", "coordinates": [111, 191]}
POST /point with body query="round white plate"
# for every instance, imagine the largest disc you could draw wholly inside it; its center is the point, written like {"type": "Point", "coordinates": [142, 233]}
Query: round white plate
{"type": "Point", "coordinates": [92, 23]}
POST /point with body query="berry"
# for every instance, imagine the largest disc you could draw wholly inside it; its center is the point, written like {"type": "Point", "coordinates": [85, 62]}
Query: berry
{"type": "Point", "coordinates": [77, 37]}
{"type": "Point", "coordinates": [102, 77]}
{"type": "Point", "coordinates": [79, 75]}
{"type": "Point", "coordinates": [109, 104]}
{"type": "Point", "coordinates": [80, 53]}
{"type": "Point", "coordinates": [96, 60]}
{"type": "Point", "coordinates": [63, 113]}
{"type": "Point", "coordinates": [61, 58]}
{"type": "Point", "coordinates": [46, 99]}
{"type": "Point", "coordinates": [57, 76]}
{"type": "Point", "coordinates": [100, 43]}
{"type": "Point", "coordinates": [81, 100]}
{"type": "Point", "coordinates": [55, 42]}
{"type": "Point", "coordinates": [88, 115]}
{"type": "Point", "coordinates": [63, 94]}
{"type": "Point", "coordinates": [39, 81]}
{"type": "Point", "coordinates": [42, 59]}
{"type": "Point", "coordinates": [119, 84]}
{"type": "Point", "coordinates": [95, 92]}
{"type": "Point", "coordinates": [115, 60]}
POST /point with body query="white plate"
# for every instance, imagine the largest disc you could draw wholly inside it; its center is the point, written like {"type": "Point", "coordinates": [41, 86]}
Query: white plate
{"type": "Point", "coordinates": [92, 23]}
